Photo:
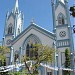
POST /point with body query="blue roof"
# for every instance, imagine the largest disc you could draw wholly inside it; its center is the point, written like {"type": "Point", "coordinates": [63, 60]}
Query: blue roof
{"type": "Point", "coordinates": [36, 27]}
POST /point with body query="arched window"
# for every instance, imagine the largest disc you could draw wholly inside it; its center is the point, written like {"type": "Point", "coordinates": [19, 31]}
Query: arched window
{"type": "Point", "coordinates": [27, 50]}
{"type": "Point", "coordinates": [29, 43]}
{"type": "Point", "coordinates": [61, 19]}
{"type": "Point", "coordinates": [30, 51]}
{"type": "Point", "coordinates": [10, 29]}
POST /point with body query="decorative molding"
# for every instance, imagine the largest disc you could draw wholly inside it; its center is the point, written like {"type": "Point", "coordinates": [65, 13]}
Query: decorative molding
{"type": "Point", "coordinates": [37, 28]}
{"type": "Point", "coordinates": [65, 25]}
{"type": "Point", "coordinates": [63, 43]}
{"type": "Point", "coordinates": [30, 39]}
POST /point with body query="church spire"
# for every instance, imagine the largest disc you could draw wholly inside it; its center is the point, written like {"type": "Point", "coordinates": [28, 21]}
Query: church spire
{"type": "Point", "coordinates": [16, 10]}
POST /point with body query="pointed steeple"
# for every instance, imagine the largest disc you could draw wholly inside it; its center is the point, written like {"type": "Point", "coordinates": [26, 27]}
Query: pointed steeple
{"type": "Point", "coordinates": [16, 10]}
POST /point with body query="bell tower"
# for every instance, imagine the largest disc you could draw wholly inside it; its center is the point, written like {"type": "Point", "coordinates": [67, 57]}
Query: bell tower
{"type": "Point", "coordinates": [13, 24]}
{"type": "Point", "coordinates": [62, 30]}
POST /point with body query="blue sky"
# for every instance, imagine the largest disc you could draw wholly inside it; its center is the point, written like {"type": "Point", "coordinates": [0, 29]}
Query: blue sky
{"type": "Point", "coordinates": [40, 10]}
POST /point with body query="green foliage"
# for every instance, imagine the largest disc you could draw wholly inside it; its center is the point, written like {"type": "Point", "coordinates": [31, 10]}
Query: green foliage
{"type": "Point", "coordinates": [3, 51]}
{"type": "Point", "coordinates": [67, 58]}
{"type": "Point", "coordinates": [16, 73]}
{"type": "Point", "coordinates": [4, 73]}
{"type": "Point", "coordinates": [40, 54]}
{"type": "Point", "coordinates": [67, 61]}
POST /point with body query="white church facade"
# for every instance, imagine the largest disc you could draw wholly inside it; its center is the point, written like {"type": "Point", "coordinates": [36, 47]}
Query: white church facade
{"type": "Point", "coordinates": [18, 39]}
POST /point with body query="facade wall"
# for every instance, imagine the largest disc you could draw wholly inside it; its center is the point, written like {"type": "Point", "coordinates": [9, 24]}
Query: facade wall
{"type": "Point", "coordinates": [60, 9]}
{"type": "Point", "coordinates": [62, 29]}
{"type": "Point", "coordinates": [10, 20]}
{"type": "Point", "coordinates": [43, 38]}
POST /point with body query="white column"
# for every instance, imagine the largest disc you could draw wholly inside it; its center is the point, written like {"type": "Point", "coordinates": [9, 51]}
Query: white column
{"type": "Point", "coordinates": [12, 56]}
{"type": "Point", "coordinates": [20, 54]}
{"type": "Point", "coordinates": [59, 63]}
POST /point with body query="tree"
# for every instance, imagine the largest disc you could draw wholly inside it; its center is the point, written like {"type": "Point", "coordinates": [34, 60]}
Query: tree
{"type": "Point", "coordinates": [38, 54]}
{"type": "Point", "coordinates": [67, 61]}
{"type": "Point", "coordinates": [3, 51]}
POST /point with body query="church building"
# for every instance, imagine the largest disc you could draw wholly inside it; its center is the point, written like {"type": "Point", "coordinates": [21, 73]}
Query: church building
{"type": "Point", "coordinates": [19, 39]}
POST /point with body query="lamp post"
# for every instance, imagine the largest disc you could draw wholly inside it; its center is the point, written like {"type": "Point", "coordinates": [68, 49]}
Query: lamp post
{"type": "Point", "coordinates": [72, 10]}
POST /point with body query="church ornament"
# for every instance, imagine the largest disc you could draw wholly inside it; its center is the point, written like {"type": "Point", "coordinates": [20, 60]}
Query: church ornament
{"type": "Point", "coordinates": [62, 34]}
{"type": "Point", "coordinates": [8, 42]}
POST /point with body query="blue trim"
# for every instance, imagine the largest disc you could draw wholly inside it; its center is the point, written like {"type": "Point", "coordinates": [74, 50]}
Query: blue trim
{"type": "Point", "coordinates": [8, 34]}
{"type": "Point", "coordinates": [63, 40]}
{"type": "Point", "coordinates": [39, 29]}
{"type": "Point", "coordinates": [63, 46]}
{"type": "Point", "coordinates": [22, 18]}
{"type": "Point", "coordinates": [53, 14]}
{"type": "Point", "coordinates": [5, 27]}
{"type": "Point", "coordinates": [69, 28]}
{"type": "Point", "coordinates": [42, 70]}
{"type": "Point", "coordinates": [42, 29]}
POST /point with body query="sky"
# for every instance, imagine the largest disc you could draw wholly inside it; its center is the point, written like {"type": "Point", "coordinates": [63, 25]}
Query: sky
{"type": "Point", "coordinates": [39, 10]}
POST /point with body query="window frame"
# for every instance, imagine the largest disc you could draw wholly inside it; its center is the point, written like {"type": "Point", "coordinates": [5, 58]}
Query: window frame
{"type": "Point", "coordinates": [61, 19]}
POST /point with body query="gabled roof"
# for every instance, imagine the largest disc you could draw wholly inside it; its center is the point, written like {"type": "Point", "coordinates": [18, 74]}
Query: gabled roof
{"type": "Point", "coordinates": [59, 2]}
{"type": "Point", "coordinates": [37, 28]}
{"type": "Point", "coordinates": [11, 14]}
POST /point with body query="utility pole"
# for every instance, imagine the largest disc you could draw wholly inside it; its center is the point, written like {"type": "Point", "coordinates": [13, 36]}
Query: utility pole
{"type": "Point", "coordinates": [72, 10]}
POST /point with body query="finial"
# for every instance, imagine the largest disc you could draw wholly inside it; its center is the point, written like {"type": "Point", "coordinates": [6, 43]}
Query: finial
{"type": "Point", "coordinates": [7, 14]}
